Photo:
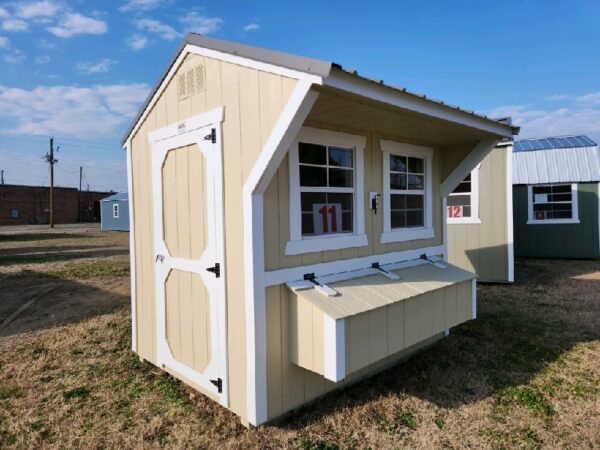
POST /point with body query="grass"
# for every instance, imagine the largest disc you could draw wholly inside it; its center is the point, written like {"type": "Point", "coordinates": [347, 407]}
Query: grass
{"type": "Point", "coordinates": [525, 374]}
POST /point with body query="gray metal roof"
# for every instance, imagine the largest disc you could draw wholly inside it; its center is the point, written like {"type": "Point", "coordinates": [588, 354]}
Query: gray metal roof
{"type": "Point", "coordinates": [121, 196]}
{"type": "Point", "coordinates": [524, 145]}
{"type": "Point", "coordinates": [554, 163]}
{"type": "Point", "coordinates": [281, 59]}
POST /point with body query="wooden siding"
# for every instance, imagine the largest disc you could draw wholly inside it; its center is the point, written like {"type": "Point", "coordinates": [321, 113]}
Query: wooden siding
{"type": "Point", "coordinates": [253, 101]}
{"type": "Point", "coordinates": [380, 332]}
{"type": "Point", "coordinates": [577, 240]}
{"type": "Point", "coordinates": [483, 248]}
{"type": "Point", "coordinates": [290, 386]}
{"type": "Point", "coordinates": [277, 213]}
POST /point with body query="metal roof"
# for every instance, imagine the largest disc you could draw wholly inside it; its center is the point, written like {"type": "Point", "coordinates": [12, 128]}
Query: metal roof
{"type": "Point", "coordinates": [554, 163]}
{"type": "Point", "coordinates": [281, 59]}
{"type": "Point", "coordinates": [524, 145]}
{"type": "Point", "coordinates": [121, 196]}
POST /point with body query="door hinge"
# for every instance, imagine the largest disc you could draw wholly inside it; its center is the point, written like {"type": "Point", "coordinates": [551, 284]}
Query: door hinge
{"type": "Point", "coordinates": [219, 384]}
{"type": "Point", "coordinates": [212, 137]}
{"type": "Point", "coordinates": [216, 269]}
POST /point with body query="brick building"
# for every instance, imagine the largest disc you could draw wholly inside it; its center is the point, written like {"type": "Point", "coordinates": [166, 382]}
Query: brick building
{"type": "Point", "coordinates": [21, 205]}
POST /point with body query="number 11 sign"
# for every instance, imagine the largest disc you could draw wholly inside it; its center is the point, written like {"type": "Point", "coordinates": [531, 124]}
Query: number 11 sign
{"type": "Point", "coordinates": [327, 217]}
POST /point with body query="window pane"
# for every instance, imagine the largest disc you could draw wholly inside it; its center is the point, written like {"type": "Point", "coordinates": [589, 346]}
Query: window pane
{"type": "Point", "coordinates": [347, 224]}
{"type": "Point", "coordinates": [312, 153]}
{"type": "Point", "coordinates": [308, 198]}
{"type": "Point", "coordinates": [313, 176]}
{"type": "Point", "coordinates": [559, 197]}
{"type": "Point", "coordinates": [345, 200]}
{"type": "Point", "coordinates": [541, 189]}
{"type": "Point", "coordinates": [398, 201]}
{"type": "Point", "coordinates": [561, 188]}
{"type": "Point", "coordinates": [415, 165]}
{"type": "Point", "coordinates": [466, 211]}
{"type": "Point", "coordinates": [397, 163]}
{"type": "Point", "coordinates": [307, 224]}
{"type": "Point", "coordinates": [341, 157]}
{"type": "Point", "coordinates": [398, 219]}
{"type": "Point", "coordinates": [415, 182]}
{"type": "Point", "coordinates": [397, 181]}
{"type": "Point", "coordinates": [459, 200]}
{"type": "Point", "coordinates": [414, 202]}
{"type": "Point", "coordinates": [341, 177]}
{"type": "Point", "coordinates": [465, 186]}
{"type": "Point", "coordinates": [414, 218]}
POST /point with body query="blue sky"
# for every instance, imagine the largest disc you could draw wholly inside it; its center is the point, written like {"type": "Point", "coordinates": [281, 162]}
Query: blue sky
{"type": "Point", "coordinates": [78, 70]}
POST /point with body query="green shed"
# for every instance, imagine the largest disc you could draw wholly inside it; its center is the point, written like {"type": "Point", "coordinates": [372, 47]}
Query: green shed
{"type": "Point", "coordinates": [556, 197]}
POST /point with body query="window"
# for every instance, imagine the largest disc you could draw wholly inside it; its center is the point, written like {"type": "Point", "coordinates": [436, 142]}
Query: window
{"type": "Point", "coordinates": [14, 213]}
{"type": "Point", "coordinates": [326, 192]}
{"type": "Point", "coordinates": [552, 203]}
{"type": "Point", "coordinates": [463, 202]}
{"type": "Point", "coordinates": [115, 210]}
{"type": "Point", "coordinates": [407, 202]}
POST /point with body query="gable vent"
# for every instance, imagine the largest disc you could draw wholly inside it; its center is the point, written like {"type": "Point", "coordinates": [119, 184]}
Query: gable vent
{"type": "Point", "coordinates": [190, 82]}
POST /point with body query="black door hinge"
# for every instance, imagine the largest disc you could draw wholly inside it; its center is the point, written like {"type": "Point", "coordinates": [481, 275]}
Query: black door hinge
{"type": "Point", "coordinates": [212, 137]}
{"type": "Point", "coordinates": [216, 269]}
{"type": "Point", "coordinates": [219, 384]}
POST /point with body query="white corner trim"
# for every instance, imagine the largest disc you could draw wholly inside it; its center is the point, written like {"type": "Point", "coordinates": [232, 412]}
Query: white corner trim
{"type": "Point", "coordinates": [321, 244]}
{"type": "Point", "coordinates": [293, 115]}
{"type": "Point", "coordinates": [406, 234]}
{"type": "Point", "coordinates": [334, 354]}
{"type": "Point", "coordinates": [474, 298]}
{"type": "Point", "coordinates": [204, 119]}
{"type": "Point", "coordinates": [366, 88]}
{"type": "Point", "coordinates": [474, 195]}
{"type": "Point", "coordinates": [132, 272]}
{"type": "Point", "coordinates": [574, 205]}
{"type": "Point", "coordinates": [445, 227]}
{"type": "Point", "coordinates": [299, 244]}
{"type": "Point", "coordinates": [390, 235]}
{"type": "Point", "coordinates": [282, 276]}
{"type": "Point", "coordinates": [509, 214]}
{"type": "Point", "coordinates": [475, 156]}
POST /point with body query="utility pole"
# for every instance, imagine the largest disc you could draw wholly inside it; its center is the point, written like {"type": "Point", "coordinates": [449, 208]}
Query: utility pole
{"type": "Point", "coordinates": [50, 159]}
{"type": "Point", "coordinates": [1, 176]}
{"type": "Point", "coordinates": [79, 195]}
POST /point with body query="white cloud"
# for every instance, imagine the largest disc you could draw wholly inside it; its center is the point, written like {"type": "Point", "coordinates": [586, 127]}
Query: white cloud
{"type": "Point", "coordinates": [252, 27]}
{"type": "Point", "coordinates": [3, 13]}
{"type": "Point", "coordinates": [558, 97]}
{"type": "Point", "coordinates": [16, 56]}
{"type": "Point", "coordinates": [14, 25]}
{"type": "Point", "coordinates": [4, 42]}
{"type": "Point", "coordinates": [36, 9]}
{"type": "Point", "coordinates": [43, 59]}
{"type": "Point", "coordinates": [198, 23]}
{"type": "Point", "coordinates": [538, 122]}
{"type": "Point", "coordinates": [85, 112]}
{"type": "Point", "coordinates": [163, 30]}
{"type": "Point", "coordinates": [592, 98]}
{"type": "Point", "coordinates": [137, 42]}
{"type": "Point", "coordinates": [102, 66]}
{"type": "Point", "coordinates": [74, 23]}
{"type": "Point", "coordinates": [142, 5]}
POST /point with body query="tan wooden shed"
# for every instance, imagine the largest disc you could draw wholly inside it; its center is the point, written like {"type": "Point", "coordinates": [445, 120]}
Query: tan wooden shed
{"type": "Point", "coordinates": [289, 224]}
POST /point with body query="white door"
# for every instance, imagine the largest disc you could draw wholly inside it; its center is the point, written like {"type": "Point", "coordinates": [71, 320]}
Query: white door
{"type": "Point", "coordinates": [187, 181]}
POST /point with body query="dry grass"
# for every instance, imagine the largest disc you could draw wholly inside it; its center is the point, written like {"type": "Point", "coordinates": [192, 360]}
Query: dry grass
{"type": "Point", "coordinates": [525, 374]}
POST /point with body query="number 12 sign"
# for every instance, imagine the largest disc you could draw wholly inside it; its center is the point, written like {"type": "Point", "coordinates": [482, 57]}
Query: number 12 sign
{"type": "Point", "coordinates": [327, 217]}
{"type": "Point", "coordinates": [455, 211]}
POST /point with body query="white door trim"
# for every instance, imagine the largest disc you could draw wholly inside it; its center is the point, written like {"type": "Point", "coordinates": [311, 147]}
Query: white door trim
{"type": "Point", "coordinates": [161, 142]}
{"type": "Point", "coordinates": [132, 249]}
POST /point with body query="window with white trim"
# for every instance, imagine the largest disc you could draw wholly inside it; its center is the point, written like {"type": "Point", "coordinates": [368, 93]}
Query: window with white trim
{"type": "Point", "coordinates": [463, 202]}
{"type": "Point", "coordinates": [407, 192]}
{"type": "Point", "coordinates": [552, 203]}
{"type": "Point", "coordinates": [326, 192]}
{"type": "Point", "coordinates": [115, 208]}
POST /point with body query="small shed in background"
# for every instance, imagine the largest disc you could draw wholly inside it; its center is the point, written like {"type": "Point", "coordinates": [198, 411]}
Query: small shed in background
{"type": "Point", "coordinates": [556, 197]}
{"type": "Point", "coordinates": [115, 212]}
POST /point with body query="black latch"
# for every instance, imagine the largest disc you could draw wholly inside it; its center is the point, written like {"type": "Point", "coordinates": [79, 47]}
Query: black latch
{"type": "Point", "coordinates": [218, 383]}
{"type": "Point", "coordinates": [216, 269]}
{"type": "Point", "coordinates": [375, 265]}
{"type": "Point", "coordinates": [212, 136]}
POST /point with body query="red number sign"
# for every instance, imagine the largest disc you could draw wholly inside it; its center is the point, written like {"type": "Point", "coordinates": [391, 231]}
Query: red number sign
{"type": "Point", "coordinates": [327, 217]}
{"type": "Point", "coordinates": [540, 215]}
{"type": "Point", "coordinates": [332, 211]}
{"type": "Point", "coordinates": [455, 211]}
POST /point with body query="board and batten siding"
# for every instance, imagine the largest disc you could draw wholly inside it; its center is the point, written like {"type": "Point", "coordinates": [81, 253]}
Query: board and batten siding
{"type": "Point", "coordinates": [277, 213]}
{"type": "Point", "coordinates": [572, 240]}
{"type": "Point", "coordinates": [253, 101]}
{"type": "Point", "coordinates": [482, 248]}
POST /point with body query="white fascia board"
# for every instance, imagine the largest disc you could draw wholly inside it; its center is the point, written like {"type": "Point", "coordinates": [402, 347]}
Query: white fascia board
{"type": "Point", "coordinates": [475, 156]}
{"type": "Point", "coordinates": [386, 94]}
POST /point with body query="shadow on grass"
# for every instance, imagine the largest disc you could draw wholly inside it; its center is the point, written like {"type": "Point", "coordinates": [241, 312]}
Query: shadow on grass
{"type": "Point", "coordinates": [59, 256]}
{"type": "Point", "coordinates": [520, 329]}
{"type": "Point", "coordinates": [25, 237]}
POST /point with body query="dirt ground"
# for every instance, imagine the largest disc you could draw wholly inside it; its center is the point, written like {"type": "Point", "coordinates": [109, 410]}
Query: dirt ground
{"type": "Point", "coordinates": [525, 374]}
